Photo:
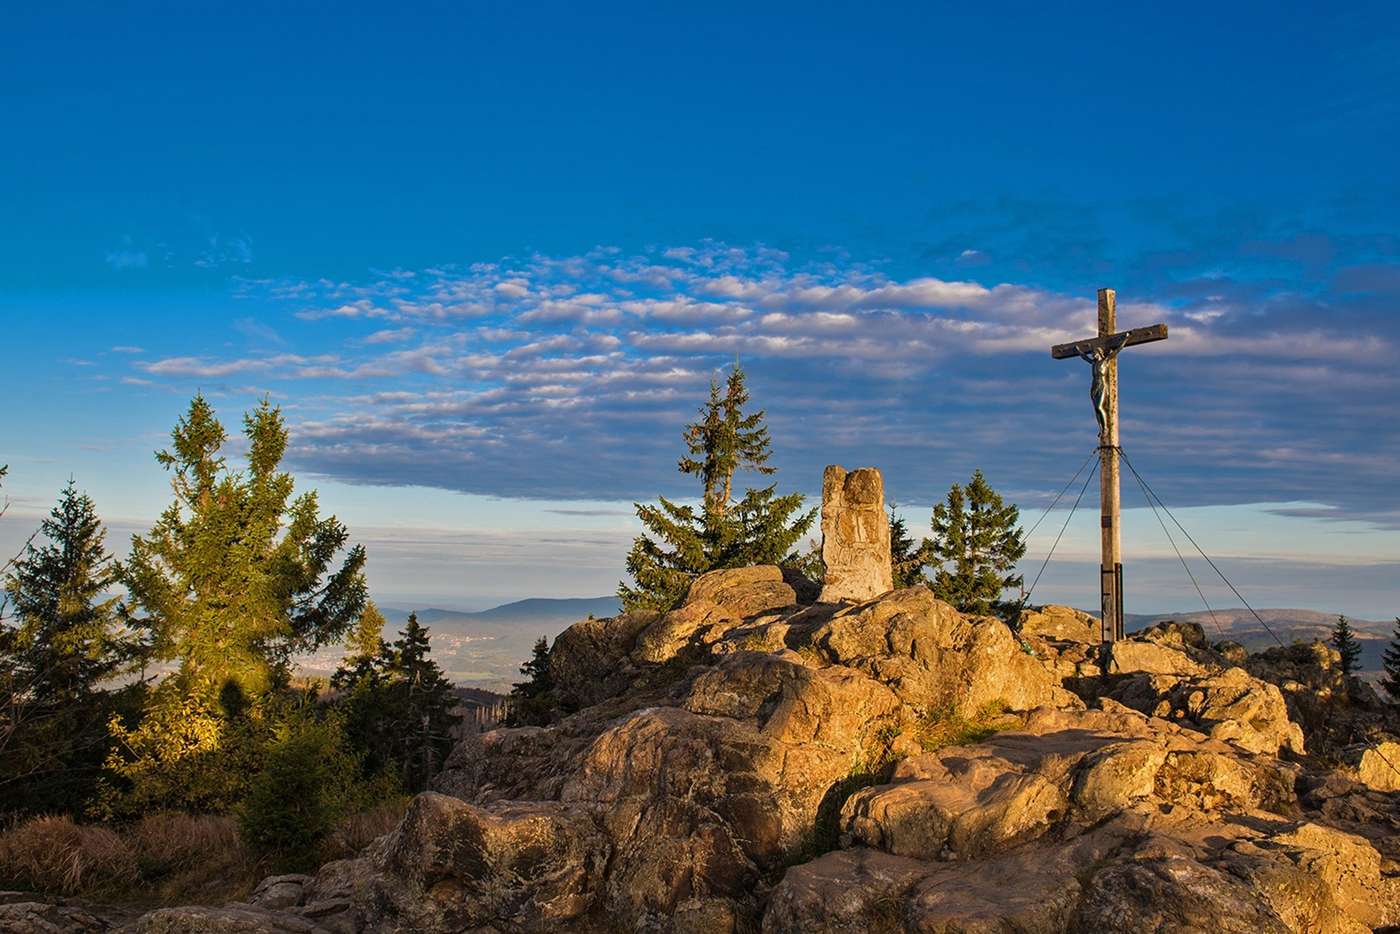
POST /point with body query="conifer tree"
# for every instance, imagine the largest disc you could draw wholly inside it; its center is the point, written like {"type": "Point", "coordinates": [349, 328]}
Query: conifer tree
{"type": "Point", "coordinates": [1344, 641]}
{"type": "Point", "coordinates": [682, 542]}
{"type": "Point", "coordinates": [906, 557]}
{"type": "Point", "coordinates": [534, 697]}
{"type": "Point", "coordinates": [397, 706]}
{"type": "Point", "coordinates": [976, 544]}
{"type": "Point", "coordinates": [366, 640]}
{"type": "Point", "coordinates": [69, 635]}
{"type": "Point", "coordinates": [421, 701]}
{"type": "Point", "coordinates": [67, 643]}
{"type": "Point", "coordinates": [724, 440]}
{"type": "Point", "coordinates": [1390, 663]}
{"type": "Point", "coordinates": [236, 576]}
{"type": "Point", "coordinates": [364, 650]}
{"type": "Point", "coordinates": [536, 670]}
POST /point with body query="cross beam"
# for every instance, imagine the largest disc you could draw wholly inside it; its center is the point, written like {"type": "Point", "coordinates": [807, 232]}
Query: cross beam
{"type": "Point", "coordinates": [1102, 354]}
{"type": "Point", "coordinates": [1155, 332]}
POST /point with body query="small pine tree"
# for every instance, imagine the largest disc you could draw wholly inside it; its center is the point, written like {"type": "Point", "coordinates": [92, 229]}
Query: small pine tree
{"type": "Point", "coordinates": [976, 544]}
{"type": "Point", "coordinates": [682, 542]}
{"type": "Point", "coordinates": [69, 633]}
{"type": "Point", "coordinates": [67, 643]}
{"type": "Point", "coordinates": [397, 705]}
{"type": "Point", "coordinates": [421, 699]}
{"type": "Point", "coordinates": [1344, 641]}
{"type": "Point", "coordinates": [1390, 662]}
{"type": "Point", "coordinates": [366, 640]}
{"type": "Point", "coordinates": [906, 557]}
{"type": "Point", "coordinates": [310, 779]}
{"type": "Point", "coordinates": [534, 697]}
{"type": "Point", "coordinates": [536, 669]}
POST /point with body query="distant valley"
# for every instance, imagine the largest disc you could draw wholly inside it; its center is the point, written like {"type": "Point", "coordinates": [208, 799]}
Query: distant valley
{"type": "Point", "coordinates": [1288, 625]}
{"type": "Point", "coordinates": [484, 649]}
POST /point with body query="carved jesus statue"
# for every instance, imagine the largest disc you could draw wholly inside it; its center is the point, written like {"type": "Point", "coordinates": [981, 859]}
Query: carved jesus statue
{"type": "Point", "coordinates": [1099, 358]}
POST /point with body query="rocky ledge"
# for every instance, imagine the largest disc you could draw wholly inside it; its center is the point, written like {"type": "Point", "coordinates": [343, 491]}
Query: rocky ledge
{"type": "Point", "coordinates": [754, 760]}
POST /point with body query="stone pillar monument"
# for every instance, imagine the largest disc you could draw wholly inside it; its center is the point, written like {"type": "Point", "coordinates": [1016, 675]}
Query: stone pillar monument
{"type": "Point", "coordinates": [855, 535]}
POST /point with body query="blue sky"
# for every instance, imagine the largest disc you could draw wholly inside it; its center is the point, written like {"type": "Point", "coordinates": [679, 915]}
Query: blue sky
{"type": "Point", "coordinates": [487, 257]}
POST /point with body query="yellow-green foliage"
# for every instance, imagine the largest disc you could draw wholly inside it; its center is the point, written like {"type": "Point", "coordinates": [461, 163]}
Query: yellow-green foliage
{"type": "Point", "coordinates": [183, 755]}
{"type": "Point", "coordinates": [237, 574]}
{"type": "Point", "coordinates": [944, 726]}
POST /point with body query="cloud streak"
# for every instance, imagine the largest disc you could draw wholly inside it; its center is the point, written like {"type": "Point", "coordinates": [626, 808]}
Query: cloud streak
{"type": "Point", "coordinates": [569, 377]}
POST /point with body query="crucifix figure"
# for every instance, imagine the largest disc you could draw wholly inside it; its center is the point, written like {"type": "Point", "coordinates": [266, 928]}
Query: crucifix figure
{"type": "Point", "coordinates": [1102, 354]}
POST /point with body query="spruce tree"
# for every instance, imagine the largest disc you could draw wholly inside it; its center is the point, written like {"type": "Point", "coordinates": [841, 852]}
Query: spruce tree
{"type": "Point", "coordinates": [1390, 663]}
{"type": "Point", "coordinates": [421, 702]}
{"type": "Point", "coordinates": [237, 576]}
{"type": "Point", "coordinates": [975, 546]}
{"type": "Point", "coordinates": [363, 648]}
{"type": "Point", "coordinates": [534, 697]}
{"type": "Point", "coordinates": [1344, 641]}
{"type": "Point", "coordinates": [68, 642]}
{"type": "Point", "coordinates": [682, 542]}
{"type": "Point", "coordinates": [536, 670]}
{"type": "Point", "coordinates": [397, 707]}
{"type": "Point", "coordinates": [69, 636]}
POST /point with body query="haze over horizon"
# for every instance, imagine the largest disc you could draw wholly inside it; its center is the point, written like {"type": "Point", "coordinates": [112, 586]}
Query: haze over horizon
{"type": "Point", "coordinates": [488, 260]}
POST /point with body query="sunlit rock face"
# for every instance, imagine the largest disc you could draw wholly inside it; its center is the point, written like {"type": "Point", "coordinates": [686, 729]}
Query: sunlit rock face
{"type": "Point", "coordinates": [855, 535]}
{"type": "Point", "coordinates": [757, 760]}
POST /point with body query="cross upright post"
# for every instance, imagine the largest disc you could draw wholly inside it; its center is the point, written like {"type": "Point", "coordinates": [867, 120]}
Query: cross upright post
{"type": "Point", "coordinates": [1110, 503]}
{"type": "Point", "coordinates": [1102, 354]}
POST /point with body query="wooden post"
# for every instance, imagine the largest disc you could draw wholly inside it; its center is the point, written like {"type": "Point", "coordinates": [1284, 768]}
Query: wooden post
{"type": "Point", "coordinates": [1111, 568]}
{"type": "Point", "coordinates": [1102, 353]}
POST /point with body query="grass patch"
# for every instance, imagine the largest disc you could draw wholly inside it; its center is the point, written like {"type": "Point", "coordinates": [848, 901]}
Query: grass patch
{"type": "Point", "coordinates": [873, 766]}
{"type": "Point", "coordinates": [360, 830]}
{"type": "Point", "coordinates": [944, 726]}
{"type": "Point", "coordinates": [160, 859]}
{"type": "Point", "coordinates": [166, 858]}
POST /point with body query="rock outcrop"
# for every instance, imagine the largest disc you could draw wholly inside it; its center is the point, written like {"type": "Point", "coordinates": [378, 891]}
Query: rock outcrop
{"type": "Point", "coordinates": [855, 535]}
{"type": "Point", "coordinates": [1099, 820]}
{"type": "Point", "coordinates": [754, 759]}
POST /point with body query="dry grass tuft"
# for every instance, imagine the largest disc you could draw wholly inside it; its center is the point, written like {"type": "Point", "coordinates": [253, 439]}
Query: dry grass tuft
{"type": "Point", "coordinates": [943, 727]}
{"type": "Point", "coordinates": [360, 830]}
{"type": "Point", "coordinates": [193, 857]}
{"type": "Point", "coordinates": [166, 858]}
{"type": "Point", "coordinates": [161, 859]}
{"type": "Point", "coordinates": [55, 855]}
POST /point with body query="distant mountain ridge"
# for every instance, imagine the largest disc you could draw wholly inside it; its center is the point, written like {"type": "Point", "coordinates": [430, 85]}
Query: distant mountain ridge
{"type": "Point", "coordinates": [1238, 618]}
{"type": "Point", "coordinates": [485, 648]}
{"type": "Point", "coordinates": [529, 610]}
{"type": "Point", "coordinates": [1280, 625]}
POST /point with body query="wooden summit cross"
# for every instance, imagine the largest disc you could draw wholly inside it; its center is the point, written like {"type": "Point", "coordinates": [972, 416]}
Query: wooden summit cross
{"type": "Point", "coordinates": [1102, 354]}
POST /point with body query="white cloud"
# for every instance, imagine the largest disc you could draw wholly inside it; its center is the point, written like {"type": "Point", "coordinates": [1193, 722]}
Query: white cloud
{"type": "Point", "coordinates": [391, 336]}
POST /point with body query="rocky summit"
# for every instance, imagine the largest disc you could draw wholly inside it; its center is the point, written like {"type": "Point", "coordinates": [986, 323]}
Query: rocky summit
{"type": "Point", "coordinates": [755, 760]}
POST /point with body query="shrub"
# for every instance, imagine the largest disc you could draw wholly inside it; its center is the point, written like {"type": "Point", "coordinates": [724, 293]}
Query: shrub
{"type": "Point", "coordinates": [309, 783]}
{"type": "Point", "coordinates": [184, 755]}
